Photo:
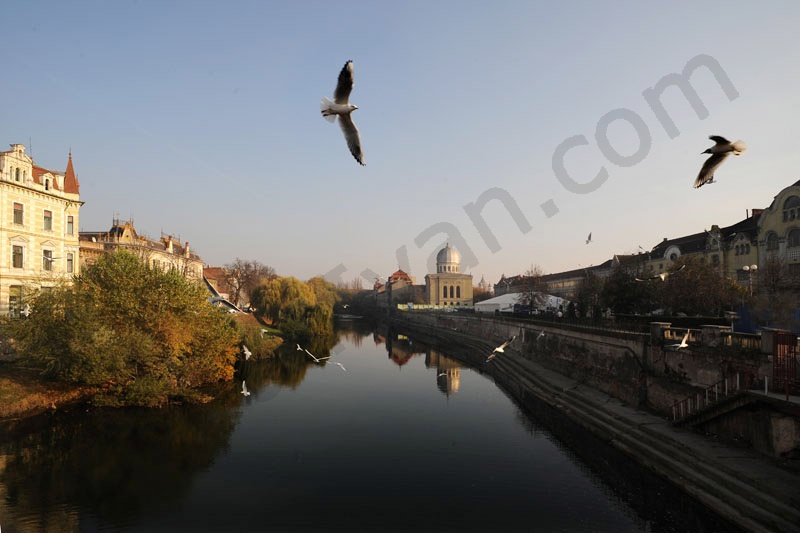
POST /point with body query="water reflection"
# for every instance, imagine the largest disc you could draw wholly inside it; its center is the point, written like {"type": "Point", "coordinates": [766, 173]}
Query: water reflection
{"type": "Point", "coordinates": [112, 464]}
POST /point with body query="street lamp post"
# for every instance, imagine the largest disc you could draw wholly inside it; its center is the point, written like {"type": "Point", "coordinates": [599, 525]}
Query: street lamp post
{"type": "Point", "coordinates": [750, 270]}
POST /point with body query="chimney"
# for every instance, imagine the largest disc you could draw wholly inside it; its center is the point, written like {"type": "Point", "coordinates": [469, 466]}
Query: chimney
{"type": "Point", "coordinates": [186, 250]}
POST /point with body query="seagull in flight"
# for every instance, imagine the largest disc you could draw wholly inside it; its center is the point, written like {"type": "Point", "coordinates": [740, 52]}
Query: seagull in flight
{"type": "Point", "coordinates": [540, 335]}
{"type": "Point", "coordinates": [663, 276]}
{"type": "Point", "coordinates": [719, 152]}
{"type": "Point", "coordinates": [683, 344]}
{"type": "Point", "coordinates": [244, 389]}
{"type": "Point", "coordinates": [441, 374]}
{"type": "Point", "coordinates": [340, 365]}
{"type": "Point", "coordinates": [342, 108]}
{"type": "Point", "coordinates": [500, 349]}
{"type": "Point", "coordinates": [247, 353]}
{"type": "Point", "coordinates": [589, 238]}
{"type": "Point", "coordinates": [317, 359]}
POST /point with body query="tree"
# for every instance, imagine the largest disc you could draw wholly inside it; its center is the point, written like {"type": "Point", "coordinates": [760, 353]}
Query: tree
{"type": "Point", "coordinates": [622, 293]}
{"type": "Point", "coordinates": [777, 293]}
{"type": "Point", "coordinates": [244, 276]}
{"type": "Point", "coordinates": [532, 287]}
{"type": "Point", "coordinates": [143, 333]}
{"type": "Point", "coordinates": [695, 288]}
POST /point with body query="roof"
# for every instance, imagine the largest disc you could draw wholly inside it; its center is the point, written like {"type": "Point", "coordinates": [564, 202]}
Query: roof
{"type": "Point", "coordinates": [400, 275]}
{"type": "Point", "coordinates": [71, 184]}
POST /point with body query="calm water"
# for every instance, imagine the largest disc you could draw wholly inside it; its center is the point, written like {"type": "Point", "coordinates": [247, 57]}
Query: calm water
{"type": "Point", "coordinates": [389, 444]}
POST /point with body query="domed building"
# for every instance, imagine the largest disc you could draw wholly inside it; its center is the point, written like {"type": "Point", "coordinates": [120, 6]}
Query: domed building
{"type": "Point", "coordinates": [448, 286]}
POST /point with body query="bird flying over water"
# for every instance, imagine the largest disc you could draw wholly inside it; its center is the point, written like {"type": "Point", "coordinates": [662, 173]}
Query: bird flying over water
{"type": "Point", "coordinates": [719, 152]}
{"type": "Point", "coordinates": [342, 108]}
{"type": "Point", "coordinates": [340, 365]}
{"type": "Point", "coordinates": [500, 349]}
{"type": "Point", "coordinates": [244, 389]}
{"type": "Point", "coordinates": [317, 359]}
{"type": "Point", "coordinates": [589, 238]}
{"type": "Point", "coordinates": [247, 353]}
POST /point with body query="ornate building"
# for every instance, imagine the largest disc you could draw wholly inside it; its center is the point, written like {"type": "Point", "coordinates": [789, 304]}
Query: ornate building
{"type": "Point", "coordinates": [167, 253]}
{"type": "Point", "coordinates": [38, 227]}
{"type": "Point", "coordinates": [448, 287]}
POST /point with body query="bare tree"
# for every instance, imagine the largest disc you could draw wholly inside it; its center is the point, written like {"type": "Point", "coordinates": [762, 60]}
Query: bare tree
{"type": "Point", "coordinates": [243, 276]}
{"type": "Point", "coordinates": [533, 287]}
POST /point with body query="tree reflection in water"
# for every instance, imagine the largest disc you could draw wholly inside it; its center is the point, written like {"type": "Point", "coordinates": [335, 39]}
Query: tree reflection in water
{"type": "Point", "coordinates": [113, 463]}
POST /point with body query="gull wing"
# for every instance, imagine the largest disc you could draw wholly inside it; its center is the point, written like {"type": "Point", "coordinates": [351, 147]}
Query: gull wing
{"type": "Point", "coordinates": [719, 140]}
{"type": "Point", "coordinates": [345, 85]}
{"type": "Point", "coordinates": [352, 137]}
{"type": "Point", "coordinates": [707, 172]}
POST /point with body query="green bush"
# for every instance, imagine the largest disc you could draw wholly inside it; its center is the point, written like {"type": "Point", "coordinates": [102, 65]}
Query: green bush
{"type": "Point", "coordinates": [142, 333]}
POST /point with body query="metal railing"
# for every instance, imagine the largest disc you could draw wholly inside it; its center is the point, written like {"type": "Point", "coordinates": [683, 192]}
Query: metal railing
{"type": "Point", "coordinates": [728, 386]}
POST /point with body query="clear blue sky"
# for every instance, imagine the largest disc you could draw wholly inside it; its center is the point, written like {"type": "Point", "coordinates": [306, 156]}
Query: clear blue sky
{"type": "Point", "coordinates": [201, 119]}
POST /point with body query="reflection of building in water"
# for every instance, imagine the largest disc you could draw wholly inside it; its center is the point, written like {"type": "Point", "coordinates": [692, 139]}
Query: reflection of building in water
{"type": "Point", "coordinates": [401, 349]}
{"type": "Point", "coordinates": [448, 371]}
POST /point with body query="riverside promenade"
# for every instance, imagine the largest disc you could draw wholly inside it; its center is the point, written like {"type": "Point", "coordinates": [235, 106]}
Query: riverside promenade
{"type": "Point", "coordinates": [743, 488]}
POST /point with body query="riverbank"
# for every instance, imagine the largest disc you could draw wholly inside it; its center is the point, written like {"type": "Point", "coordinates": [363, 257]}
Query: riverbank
{"type": "Point", "coordinates": [24, 392]}
{"type": "Point", "coordinates": [743, 488]}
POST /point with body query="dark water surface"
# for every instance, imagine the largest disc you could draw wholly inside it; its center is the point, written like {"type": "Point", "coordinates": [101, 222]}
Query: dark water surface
{"type": "Point", "coordinates": [387, 445]}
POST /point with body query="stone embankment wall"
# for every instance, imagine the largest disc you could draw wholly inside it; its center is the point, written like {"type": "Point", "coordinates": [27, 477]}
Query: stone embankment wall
{"type": "Point", "coordinates": [638, 368]}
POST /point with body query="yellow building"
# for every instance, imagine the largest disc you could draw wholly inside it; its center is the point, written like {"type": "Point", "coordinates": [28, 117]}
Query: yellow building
{"type": "Point", "coordinates": [448, 286]}
{"type": "Point", "coordinates": [39, 211]}
{"type": "Point", "coordinates": [779, 230]}
{"type": "Point", "coordinates": [167, 253]}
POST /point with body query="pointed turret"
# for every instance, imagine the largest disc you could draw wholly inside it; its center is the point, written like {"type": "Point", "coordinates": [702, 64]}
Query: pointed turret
{"type": "Point", "coordinates": [71, 184]}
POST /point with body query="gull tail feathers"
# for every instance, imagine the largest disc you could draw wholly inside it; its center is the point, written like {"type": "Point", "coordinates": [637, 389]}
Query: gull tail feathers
{"type": "Point", "coordinates": [738, 147]}
{"type": "Point", "coordinates": [325, 107]}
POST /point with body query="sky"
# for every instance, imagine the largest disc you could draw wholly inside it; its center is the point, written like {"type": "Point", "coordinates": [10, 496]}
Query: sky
{"type": "Point", "coordinates": [201, 120]}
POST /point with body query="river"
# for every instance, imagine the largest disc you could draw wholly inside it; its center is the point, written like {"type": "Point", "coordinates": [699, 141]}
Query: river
{"type": "Point", "coordinates": [400, 437]}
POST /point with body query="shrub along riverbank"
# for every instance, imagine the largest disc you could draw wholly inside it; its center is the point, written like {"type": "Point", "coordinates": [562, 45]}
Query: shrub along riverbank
{"type": "Point", "coordinates": [130, 334]}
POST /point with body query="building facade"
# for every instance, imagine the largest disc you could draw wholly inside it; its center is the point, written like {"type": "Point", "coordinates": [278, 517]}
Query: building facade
{"type": "Point", "coordinates": [39, 217]}
{"type": "Point", "coordinates": [167, 253]}
{"type": "Point", "coordinates": [448, 286]}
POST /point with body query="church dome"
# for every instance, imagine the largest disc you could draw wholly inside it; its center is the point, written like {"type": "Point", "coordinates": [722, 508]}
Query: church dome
{"type": "Point", "coordinates": [448, 260]}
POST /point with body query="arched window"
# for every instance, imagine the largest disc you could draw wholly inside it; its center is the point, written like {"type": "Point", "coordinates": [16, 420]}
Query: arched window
{"type": "Point", "coordinates": [458, 291]}
{"type": "Point", "coordinates": [790, 208]}
{"type": "Point", "coordinates": [444, 291]}
{"type": "Point", "coordinates": [451, 291]}
{"type": "Point", "coordinates": [772, 241]}
{"type": "Point", "coordinates": [16, 175]}
{"type": "Point", "coordinates": [793, 238]}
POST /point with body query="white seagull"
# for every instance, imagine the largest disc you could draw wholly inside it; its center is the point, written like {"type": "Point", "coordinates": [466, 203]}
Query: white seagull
{"type": "Point", "coordinates": [589, 238]}
{"type": "Point", "coordinates": [683, 344]}
{"type": "Point", "coordinates": [663, 276]}
{"type": "Point", "coordinates": [342, 108]}
{"type": "Point", "coordinates": [244, 389]}
{"type": "Point", "coordinates": [719, 152]}
{"type": "Point", "coordinates": [247, 353]}
{"type": "Point", "coordinates": [500, 349]}
{"type": "Point", "coordinates": [317, 359]}
{"type": "Point", "coordinates": [340, 365]}
{"type": "Point", "coordinates": [540, 335]}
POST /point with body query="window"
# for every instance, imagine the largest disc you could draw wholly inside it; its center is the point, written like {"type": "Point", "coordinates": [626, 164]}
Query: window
{"type": "Point", "coordinates": [70, 225]}
{"type": "Point", "coordinates": [16, 256]}
{"type": "Point", "coordinates": [794, 238]}
{"type": "Point", "coordinates": [458, 291]}
{"type": "Point", "coordinates": [14, 299]}
{"type": "Point", "coordinates": [772, 241]}
{"type": "Point", "coordinates": [444, 291]}
{"type": "Point", "coordinates": [790, 208]}
{"type": "Point", "coordinates": [47, 184]}
{"type": "Point", "coordinates": [451, 291]}
{"type": "Point", "coordinates": [48, 220]}
{"type": "Point", "coordinates": [18, 212]}
{"type": "Point", "coordinates": [16, 175]}
{"type": "Point", "coordinates": [715, 259]}
{"type": "Point", "coordinates": [70, 263]}
{"type": "Point", "coordinates": [47, 259]}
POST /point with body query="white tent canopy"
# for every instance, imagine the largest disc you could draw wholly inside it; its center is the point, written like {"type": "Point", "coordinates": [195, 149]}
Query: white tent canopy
{"type": "Point", "coordinates": [505, 303]}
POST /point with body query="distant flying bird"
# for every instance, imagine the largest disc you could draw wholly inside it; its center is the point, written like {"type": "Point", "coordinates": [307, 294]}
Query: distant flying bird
{"type": "Point", "coordinates": [340, 365]}
{"type": "Point", "coordinates": [500, 349]}
{"type": "Point", "coordinates": [317, 359]}
{"type": "Point", "coordinates": [589, 238]}
{"type": "Point", "coordinates": [264, 332]}
{"type": "Point", "coordinates": [663, 276]}
{"type": "Point", "coordinates": [540, 335]}
{"type": "Point", "coordinates": [441, 374]}
{"type": "Point", "coordinates": [683, 344]}
{"type": "Point", "coordinates": [247, 353]}
{"type": "Point", "coordinates": [719, 152]}
{"type": "Point", "coordinates": [342, 108]}
{"type": "Point", "coordinates": [244, 389]}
